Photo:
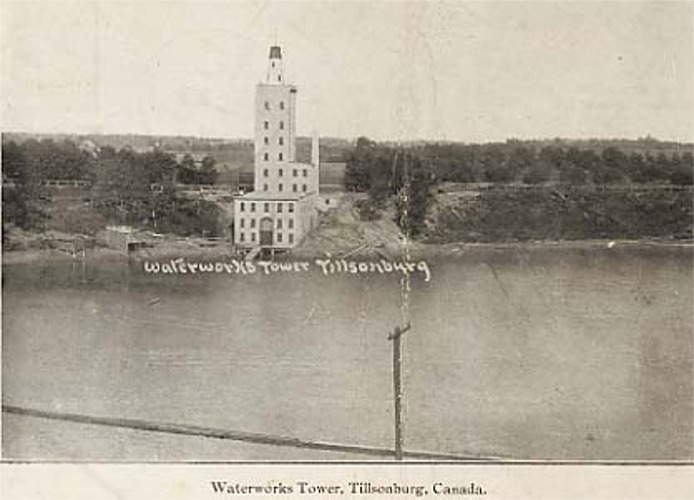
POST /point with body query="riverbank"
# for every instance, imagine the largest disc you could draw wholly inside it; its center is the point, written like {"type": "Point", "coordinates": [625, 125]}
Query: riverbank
{"type": "Point", "coordinates": [342, 233]}
{"type": "Point", "coordinates": [415, 250]}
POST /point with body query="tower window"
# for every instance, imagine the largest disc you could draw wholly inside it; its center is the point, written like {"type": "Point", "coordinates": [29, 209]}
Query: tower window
{"type": "Point", "coordinates": [279, 78]}
{"type": "Point", "coordinates": [281, 141]}
{"type": "Point", "coordinates": [266, 141]}
{"type": "Point", "coordinates": [281, 125]}
{"type": "Point", "coordinates": [281, 172]}
{"type": "Point", "coordinates": [279, 207]}
{"type": "Point", "coordinates": [266, 124]}
{"type": "Point", "coordinates": [266, 157]}
{"type": "Point", "coordinates": [267, 105]}
{"type": "Point", "coordinates": [280, 156]}
{"type": "Point", "coordinates": [265, 172]}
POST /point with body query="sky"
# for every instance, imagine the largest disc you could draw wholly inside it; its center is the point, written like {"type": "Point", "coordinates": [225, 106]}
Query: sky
{"type": "Point", "coordinates": [464, 71]}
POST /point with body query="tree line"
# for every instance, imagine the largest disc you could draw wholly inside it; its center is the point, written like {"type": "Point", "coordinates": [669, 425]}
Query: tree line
{"type": "Point", "coordinates": [50, 160]}
{"type": "Point", "coordinates": [514, 162]}
{"type": "Point", "coordinates": [127, 187]}
{"type": "Point", "coordinates": [378, 169]}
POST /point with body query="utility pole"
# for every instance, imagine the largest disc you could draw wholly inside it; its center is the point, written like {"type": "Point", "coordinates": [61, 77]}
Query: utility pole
{"type": "Point", "coordinates": [397, 387]}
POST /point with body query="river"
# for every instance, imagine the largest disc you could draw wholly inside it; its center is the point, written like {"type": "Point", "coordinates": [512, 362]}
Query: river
{"type": "Point", "coordinates": [536, 353]}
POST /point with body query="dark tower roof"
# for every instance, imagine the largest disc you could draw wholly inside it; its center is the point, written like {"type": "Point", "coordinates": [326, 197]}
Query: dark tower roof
{"type": "Point", "coordinates": [275, 52]}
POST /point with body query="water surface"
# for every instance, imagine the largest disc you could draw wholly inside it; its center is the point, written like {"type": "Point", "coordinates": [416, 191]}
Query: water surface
{"type": "Point", "coordinates": [529, 353]}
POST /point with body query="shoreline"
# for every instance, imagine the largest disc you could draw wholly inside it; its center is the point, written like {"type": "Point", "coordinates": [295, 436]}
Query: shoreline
{"type": "Point", "coordinates": [417, 250]}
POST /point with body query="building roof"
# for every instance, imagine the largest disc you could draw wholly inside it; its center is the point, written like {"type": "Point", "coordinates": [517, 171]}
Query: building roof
{"type": "Point", "coordinates": [263, 196]}
{"type": "Point", "coordinates": [275, 52]}
{"type": "Point", "coordinates": [300, 164]}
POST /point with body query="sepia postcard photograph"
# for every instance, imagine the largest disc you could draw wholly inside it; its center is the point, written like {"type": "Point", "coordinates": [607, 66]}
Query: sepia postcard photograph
{"type": "Point", "coordinates": [350, 232]}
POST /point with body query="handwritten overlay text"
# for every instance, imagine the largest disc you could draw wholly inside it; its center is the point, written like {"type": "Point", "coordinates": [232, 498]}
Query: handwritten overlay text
{"type": "Point", "coordinates": [327, 267]}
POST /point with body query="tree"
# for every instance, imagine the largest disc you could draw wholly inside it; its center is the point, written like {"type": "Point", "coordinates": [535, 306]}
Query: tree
{"type": "Point", "coordinates": [538, 173]}
{"type": "Point", "coordinates": [208, 173]}
{"type": "Point", "coordinates": [20, 200]}
{"type": "Point", "coordinates": [159, 166]}
{"type": "Point", "coordinates": [122, 189]}
{"type": "Point", "coordinates": [636, 167]}
{"type": "Point", "coordinates": [414, 197]}
{"type": "Point", "coordinates": [520, 161]}
{"type": "Point", "coordinates": [359, 162]}
{"type": "Point", "coordinates": [494, 165]}
{"type": "Point", "coordinates": [611, 167]}
{"type": "Point", "coordinates": [683, 170]}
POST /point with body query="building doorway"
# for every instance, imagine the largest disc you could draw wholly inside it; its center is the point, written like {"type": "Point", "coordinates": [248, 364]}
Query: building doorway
{"type": "Point", "coordinates": [266, 232]}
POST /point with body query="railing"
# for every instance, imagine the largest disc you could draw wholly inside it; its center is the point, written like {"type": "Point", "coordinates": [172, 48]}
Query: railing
{"type": "Point", "coordinates": [232, 435]}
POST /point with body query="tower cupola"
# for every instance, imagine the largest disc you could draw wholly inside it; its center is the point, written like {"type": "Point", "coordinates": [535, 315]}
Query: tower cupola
{"type": "Point", "coordinates": [275, 74]}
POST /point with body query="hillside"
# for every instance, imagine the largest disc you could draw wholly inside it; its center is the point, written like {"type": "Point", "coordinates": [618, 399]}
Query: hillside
{"type": "Point", "coordinates": [546, 213]}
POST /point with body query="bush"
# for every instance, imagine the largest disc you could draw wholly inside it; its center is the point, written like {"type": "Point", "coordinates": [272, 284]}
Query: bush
{"type": "Point", "coordinates": [82, 220]}
{"type": "Point", "coordinates": [368, 210]}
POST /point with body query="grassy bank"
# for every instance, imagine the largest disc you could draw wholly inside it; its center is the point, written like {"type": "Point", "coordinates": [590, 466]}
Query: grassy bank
{"type": "Point", "coordinates": [559, 214]}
